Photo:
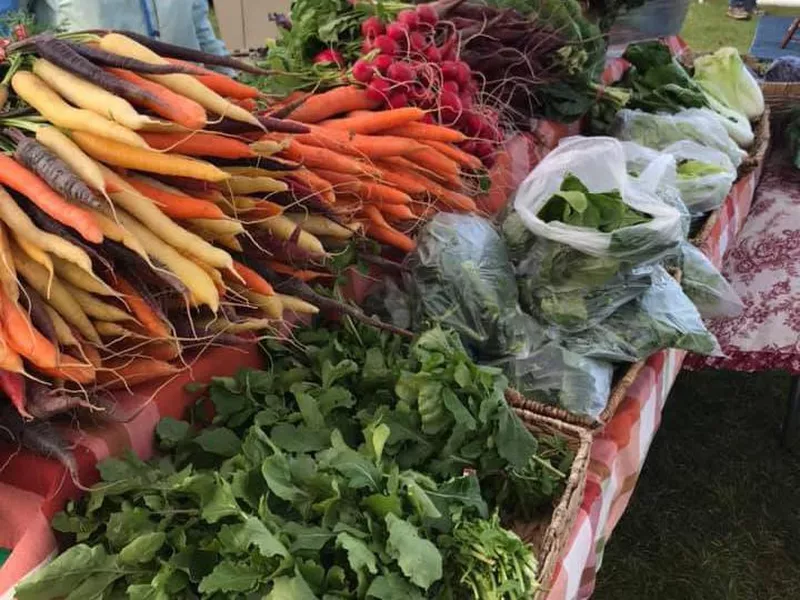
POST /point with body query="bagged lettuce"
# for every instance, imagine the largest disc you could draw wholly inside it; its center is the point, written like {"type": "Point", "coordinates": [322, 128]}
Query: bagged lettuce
{"type": "Point", "coordinates": [707, 288]}
{"type": "Point", "coordinates": [704, 176]}
{"type": "Point", "coordinates": [724, 76]}
{"type": "Point", "coordinates": [702, 126]}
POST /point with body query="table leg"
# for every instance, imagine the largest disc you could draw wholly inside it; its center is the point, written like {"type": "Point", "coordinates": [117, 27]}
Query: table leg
{"type": "Point", "coordinates": [792, 419]}
{"type": "Point", "coordinates": [790, 33]}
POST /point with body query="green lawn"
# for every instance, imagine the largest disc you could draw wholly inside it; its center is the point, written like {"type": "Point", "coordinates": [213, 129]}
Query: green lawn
{"type": "Point", "coordinates": [707, 28]}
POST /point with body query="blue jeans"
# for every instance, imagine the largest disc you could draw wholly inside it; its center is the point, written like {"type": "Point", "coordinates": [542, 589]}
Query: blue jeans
{"type": "Point", "coordinates": [748, 5]}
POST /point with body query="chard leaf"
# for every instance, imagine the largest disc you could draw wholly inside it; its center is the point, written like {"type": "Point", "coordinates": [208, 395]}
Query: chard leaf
{"type": "Point", "coordinates": [392, 586]}
{"type": "Point", "coordinates": [64, 574]}
{"type": "Point", "coordinates": [237, 539]}
{"type": "Point", "coordinates": [220, 441]}
{"type": "Point", "coordinates": [358, 554]}
{"type": "Point", "coordinates": [229, 576]}
{"type": "Point", "coordinates": [290, 588]}
{"type": "Point", "coordinates": [143, 549]}
{"type": "Point", "coordinates": [514, 443]}
{"type": "Point", "coordinates": [299, 438]}
{"type": "Point", "coordinates": [418, 558]}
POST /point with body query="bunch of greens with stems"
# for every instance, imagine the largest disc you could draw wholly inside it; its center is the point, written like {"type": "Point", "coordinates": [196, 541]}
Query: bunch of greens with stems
{"type": "Point", "coordinates": [356, 466]}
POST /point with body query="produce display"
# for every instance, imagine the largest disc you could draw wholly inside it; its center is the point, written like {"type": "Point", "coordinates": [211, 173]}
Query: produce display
{"type": "Point", "coordinates": [152, 207]}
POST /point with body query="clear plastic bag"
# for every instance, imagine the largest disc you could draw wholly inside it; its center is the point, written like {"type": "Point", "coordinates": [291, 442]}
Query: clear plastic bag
{"type": "Point", "coordinates": [460, 276]}
{"type": "Point", "coordinates": [702, 193]}
{"type": "Point", "coordinates": [599, 163]}
{"type": "Point", "coordinates": [663, 317]}
{"type": "Point", "coordinates": [554, 375]}
{"type": "Point", "coordinates": [708, 289]}
{"type": "Point", "coordinates": [572, 291]}
{"type": "Point", "coordinates": [660, 131]}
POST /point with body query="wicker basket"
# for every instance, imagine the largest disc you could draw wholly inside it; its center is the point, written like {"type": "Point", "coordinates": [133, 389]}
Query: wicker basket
{"type": "Point", "coordinates": [549, 538]}
{"type": "Point", "coordinates": [781, 97]}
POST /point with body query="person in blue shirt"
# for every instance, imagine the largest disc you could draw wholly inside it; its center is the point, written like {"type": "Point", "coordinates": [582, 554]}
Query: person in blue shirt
{"type": "Point", "coordinates": [7, 6]}
{"type": "Point", "coordinates": [182, 22]}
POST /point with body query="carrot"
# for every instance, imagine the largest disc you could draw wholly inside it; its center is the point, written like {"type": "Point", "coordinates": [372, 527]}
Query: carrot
{"type": "Point", "coordinates": [316, 184]}
{"type": "Point", "coordinates": [64, 148]}
{"type": "Point", "coordinates": [397, 178]}
{"type": "Point", "coordinates": [375, 216]}
{"type": "Point", "coordinates": [398, 211]}
{"type": "Point", "coordinates": [222, 84]}
{"type": "Point", "coordinates": [252, 280]}
{"type": "Point", "coordinates": [456, 154]}
{"type": "Point", "coordinates": [89, 96]}
{"type": "Point", "coordinates": [377, 122]}
{"type": "Point", "coordinates": [368, 146]}
{"type": "Point", "coordinates": [319, 225]}
{"type": "Point", "coordinates": [285, 229]}
{"type": "Point", "coordinates": [322, 158]}
{"type": "Point", "coordinates": [270, 305]}
{"type": "Point", "coordinates": [298, 306]}
{"type": "Point", "coordinates": [172, 106]}
{"type": "Point", "coordinates": [185, 85]}
{"type": "Point", "coordinates": [23, 337]}
{"type": "Point", "coordinates": [366, 190]}
{"type": "Point", "coordinates": [116, 232]}
{"type": "Point", "coordinates": [450, 198]}
{"type": "Point", "coordinates": [436, 163]}
{"type": "Point", "coordinates": [40, 96]}
{"type": "Point", "coordinates": [107, 59]}
{"type": "Point", "coordinates": [177, 206]}
{"type": "Point", "coordinates": [36, 254]}
{"type": "Point", "coordinates": [142, 310]}
{"type": "Point", "coordinates": [12, 383]}
{"type": "Point", "coordinates": [200, 285]}
{"type": "Point", "coordinates": [230, 242]}
{"type": "Point", "coordinates": [392, 237]}
{"type": "Point", "coordinates": [425, 132]}
{"type": "Point", "coordinates": [304, 275]}
{"type": "Point", "coordinates": [122, 155]}
{"type": "Point", "coordinates": [217, 228]}
{"type": "Point", "coordinates": [336, 101]}
{"type": "Point", "coordinates": [199, 144]}
{"type": "Point", "coordinates": [254, 185]}
{"type": "Point", "coordinates": [23, 181]}
{"type": "Point", "coordinates": [64, 334]}
{"type": "Point", "coordinates": [253, 208]}
{"type": "Point", "coordinates": [81, 279]}
{"type": "Point", "coordinates": [8, 274]}
{"type": "Point", "coordinates": [120, 372]}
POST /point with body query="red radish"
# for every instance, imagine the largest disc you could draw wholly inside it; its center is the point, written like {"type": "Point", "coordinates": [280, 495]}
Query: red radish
{"type": "Point", "coordinates": [463, 73]}
{"type": "Point", "coordinates": [409, 18]}
{"type": "Point", "coordinates": [467, 100]}
{"type": "Point", "coordinates": [367, 46]}
{"type": "Point", "coordinates": [378, 90]}
{"type": "Point", "coordinates": [433, 55]}
{"type": "Point", "coordinates": [469, 147]}
{"type": "Point", "coordinates": [427, 14]}
{"type": "Point", "coordinates": [382, 63]}
{"type": "Point", "coordinates": [398, 32]}
{"type": "Point", "coordinates": [398, 100]}
{"type": "Point", "coordinates": [329, 55]}
{"type": "Point", "coordinates": [483, 149]}
{"type": "Point", "coordinates": [449, 107]}
{"type": "Point", "coordinates": [400, 72]}
{"type": "Point", "coordinates": [449, 49]}
{"type": "Point", "coordinates": [417, 42]}
{"type": "Point", "coordinates": [363, 71]}
{"type": "Point", "coordinates": [372, 28]}
{"type": "Point", "coordinates": [450, 70]}
{"type": "Point", "coordinates": [428, 119]}
{"type": "Point", "coordinates": [451, 86]}
{"type": "Point", "coordinates": [472, 124]}
{"type": "Point", "coordinates": [386, 45]}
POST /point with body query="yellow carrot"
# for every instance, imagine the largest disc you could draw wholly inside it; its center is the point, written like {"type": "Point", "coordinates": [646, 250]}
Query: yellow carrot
{"type": "Point", "coordinates": [96, 308]}
{"type": "Point", "coordinates": [297, 305]}
{"type": "Point", "coordinates": [36, 254]}
{"type": "Point", "coordinates": [67, 150]}
{"type": "Point", "coordinates": [319, 225]}
{"type": "Point", "coordinates": [8, 274]}
{"type": "Point", "coordinates": [79, 278]}
{"type": "Point", "coordinates": [255, 185]}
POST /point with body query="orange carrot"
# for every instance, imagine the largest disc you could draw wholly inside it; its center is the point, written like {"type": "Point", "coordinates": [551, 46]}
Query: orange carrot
{"type": "Point", "coordinates": [222, 84]}
{"type": "Point", "coordinates": [143, 312]}
{"type": "Point", "coordinates": [369, 146]}
{"type": "Point", "coordinates": [334, 102]}
{"type": "Point", "coordinates": [252, 280]}
{"type": "Point", "coordinates": [374, 215]}
{"type": "Point", "coordinates": [397, 178]}
{"type": "Point", "coordinates": [120, 372]}
{"type": "Point", "coordinates": [400, 212]}
{"type": "Point", "coordinates": [175, 205]}
{"type": "Point", "coordinates": [315, 183]}
{"type": "Point", "coordinates": [465, 159]}
{"type": "Point", "coordinates": [367, 190]}
{"type": "Point", "coordinates": [114, 153]}
{"type": "Point", "coordinates": [449, 197]}
{"type": "Point", "coordinates": [315, 157]}
{"type": "Point", "coordinates": [436, 163]}
{"type": "Point", "coordinates": [170, 105]}
{"type": "Point", "coordinates": [428, 132]}
{"type": "Point", "coordinates": [42, 195]}
{"type": "Point", "coordinates": [23, 337]}
{"type": "Point", "coordinates": [301, 274]}
{"type": "Point", "coordinates": [390, 236]}
{"type": "Point", "coordinates": [248, 104]}
{"type": "Point", "coordinates": [378, 121]}
{"type": "Point", "coordinates": [198, 143]}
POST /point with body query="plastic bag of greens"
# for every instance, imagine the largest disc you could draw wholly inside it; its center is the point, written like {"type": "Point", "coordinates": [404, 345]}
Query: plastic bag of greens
{"type": "Point", "coordinates": [660, 178]}
{"type": "Point", "coordinates": [581, 195]}
{"type": "Point", "coordinates": [704, 176]}
{"type": "Point", "coordinates": [554, 375]}
{"type": "Point", "coordinates": [663, 317]}
{"type": "Point", "coordinates": [660, 131]}
{"type": "Point", "coordinates": [724, 76]}
{"type": "Point", "coordinates": [572, 291]}
{"type": "Point", "coordinates": [460, 276]}
{"type": "Point", "coordinates": [710, 292]}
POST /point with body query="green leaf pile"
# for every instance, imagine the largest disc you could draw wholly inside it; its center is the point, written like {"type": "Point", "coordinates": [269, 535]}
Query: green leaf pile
{"type": "Point", "coordinates": [357, 466]}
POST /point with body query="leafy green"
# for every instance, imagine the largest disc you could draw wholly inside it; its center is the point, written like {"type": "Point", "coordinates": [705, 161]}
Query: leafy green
{"type": "Point", "coordinates": [694, 169]}
{"type": "Point", "coordinates": [365, 503]}
{"type": "Point", "coordinates": [575, 205]}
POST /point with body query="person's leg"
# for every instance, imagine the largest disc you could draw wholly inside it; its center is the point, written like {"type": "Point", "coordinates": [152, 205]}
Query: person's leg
{"type": "Point", "coordinates": [737, 9]}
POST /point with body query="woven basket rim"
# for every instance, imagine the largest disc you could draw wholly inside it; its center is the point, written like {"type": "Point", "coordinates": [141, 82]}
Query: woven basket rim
{"type": "Point", "coordinates": [565, 513]}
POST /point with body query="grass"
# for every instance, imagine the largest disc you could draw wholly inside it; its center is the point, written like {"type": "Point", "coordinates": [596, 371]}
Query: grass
{"type": "Point", "coordinates": [716, 514]}
{"type": "Point", "coordinates": [707, 28]}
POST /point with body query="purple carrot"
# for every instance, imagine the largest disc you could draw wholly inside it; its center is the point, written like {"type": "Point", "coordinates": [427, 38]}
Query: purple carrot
{"type": "Point", "coordinates": [38, 313]}
{"type": "Point", "coordinates": [109, 59]}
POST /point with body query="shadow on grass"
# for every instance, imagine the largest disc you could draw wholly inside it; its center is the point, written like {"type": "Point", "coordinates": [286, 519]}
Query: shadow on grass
{"type": "Point", "coordinates": [716, 514]}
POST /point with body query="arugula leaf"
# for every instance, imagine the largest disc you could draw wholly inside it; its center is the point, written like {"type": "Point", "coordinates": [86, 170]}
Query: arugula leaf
{"type": "Point", "coordinates": [143, 549]}
{"type": "Point", "coordinates": [230, 576]}
{"type": "Point", "coordinates": [359, 555]}
{"type": "Point", "coordinates": [238, 539]}
{"type": "Point", "coordinates": [219, 440]}
{"type": "Point", "coordinates": [418, 558]}
{"type": "Point", "coordinates": [392, 586]}
{"type": "Point", "coordinates": [290, 588]}
{"type": "Point", "coordinates": [64, 574]}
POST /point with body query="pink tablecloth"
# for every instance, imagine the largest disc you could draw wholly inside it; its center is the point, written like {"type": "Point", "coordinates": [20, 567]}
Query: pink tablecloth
{"type": "Point", "coordinates": [764, 268]}
{"type": "Point", "coordinates": [620, 449]}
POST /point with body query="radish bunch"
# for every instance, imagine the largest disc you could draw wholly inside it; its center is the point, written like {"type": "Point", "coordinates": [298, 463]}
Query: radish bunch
{"type": "Point", "coordinates": [402, 65]}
